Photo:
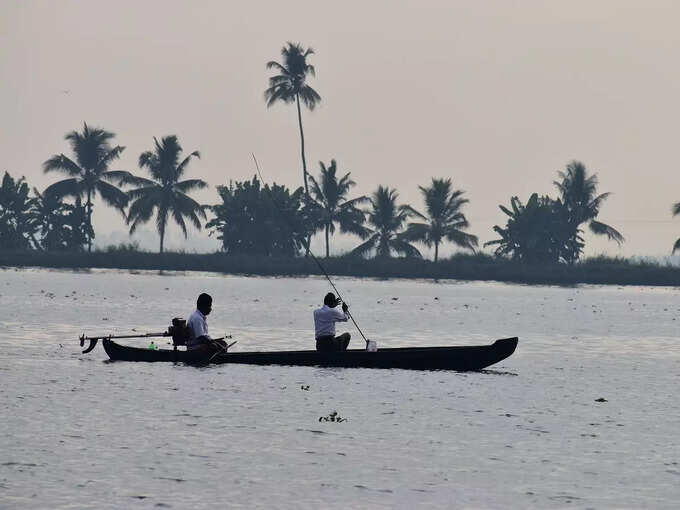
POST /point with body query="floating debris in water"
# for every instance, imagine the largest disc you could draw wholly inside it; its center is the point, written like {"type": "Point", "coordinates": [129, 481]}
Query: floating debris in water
{"type": "Point", "coordinates": [333, 416]}
{"type": "Point", "coordinates": [601, 400]}
{"type": "Point", "coordinates": [395, 299]}
{"type": "Point", "coordinates": [305, 387]}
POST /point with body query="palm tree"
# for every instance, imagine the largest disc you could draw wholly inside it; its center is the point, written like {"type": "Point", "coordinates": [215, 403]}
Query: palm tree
{"type": "Point", "coordinates": [89, 173]}
{"type": "Point", "coordinates": [290, 85]}
{"type": "Point", "coordinates": [388, 220]}
{"type": "Point", "coordinates": [579, 195]}
{"type": "Point", "coordinates": [165, 194]}
{"type": "Point", "coordinates": [444, 219]}
{"type": "Point", "coordinates": [331, 206]}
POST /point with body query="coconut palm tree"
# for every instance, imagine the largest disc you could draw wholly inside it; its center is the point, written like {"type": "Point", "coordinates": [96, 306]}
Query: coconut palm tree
{"type": "Point", "coordinates": [388, 220]}
{"type": "Point", "coordinates": [444, 220]}
{"type": "Point", "coordinates": [331, 206]}
{"type": "Point", "coordinates": [290, 85]}
{"type": "Point", "coordinates": [579, 196]}
{"type": "Point", "coordinates": [89, 173]}
{"type": "Point", "coordinates": [164, 193]}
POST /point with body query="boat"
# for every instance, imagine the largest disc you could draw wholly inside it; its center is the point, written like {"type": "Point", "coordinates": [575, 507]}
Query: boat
{"type": "Point", "coordinates": [460, 358]}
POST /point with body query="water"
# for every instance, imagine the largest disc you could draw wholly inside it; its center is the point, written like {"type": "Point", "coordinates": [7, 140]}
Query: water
{"type": "Point", "coordinates": [77, 431]}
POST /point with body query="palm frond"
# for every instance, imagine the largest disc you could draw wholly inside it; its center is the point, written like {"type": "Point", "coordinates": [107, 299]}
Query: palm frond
{"type": "Point", "coordinates": [462, 239]}
{"type": "Point", "coordinates": [119, 177]}
{"type": "Point", "coordinates": [110, 156]}
{"type": "Point", "coordinates": [147, 159]}
{"type": "Point", "coordinates": [140, 212]}
{"type": "Point", "coordinates": [112, 195]}
{"type": "Point", "coordinates": [676, 246]}
{"type": "Point", "coordinates": [134, 180]}
{"type": "Point", "coordinates": [419, 232]}
{"type": "Point", "coordinates": [65, 188]}
{"type": "Point", "coordinates": [365, 247]}
{"type": "Point", "coordinates": [64, 164]}
{"type": "Point", "coordinates": [599, 228]}
{"type": "Point", "coordinates": [179, 219]}
{"type": "Point", "coordinates": [275, 65]}
{"type": "Point", "coordinates": [190, 184]}
{"type": "Point", "coordinates": [309, 97]}
{"type": "Point", "coordinates": [186, 205]}
{"type": "Point", "coordinates": [181, 167]}
{"type": "Point", "coordinates": [401, 245]}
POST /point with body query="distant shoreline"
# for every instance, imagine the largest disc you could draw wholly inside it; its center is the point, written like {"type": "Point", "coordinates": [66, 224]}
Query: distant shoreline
{"type": "Point", "coordinates": [598, 271]}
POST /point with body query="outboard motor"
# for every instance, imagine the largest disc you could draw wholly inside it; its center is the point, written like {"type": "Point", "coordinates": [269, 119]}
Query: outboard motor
{"type": "Point", "coordinates": [179, 332]}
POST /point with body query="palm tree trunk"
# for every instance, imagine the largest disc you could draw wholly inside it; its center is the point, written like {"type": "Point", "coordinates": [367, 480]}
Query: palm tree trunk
{"type": "Point", "coordinates": [163, 215]}
{"type": "Point", "coordinates": [436, 251]}
{"type": "Point", "coordinates": [89, 221]}
{"type": "Point", "coordinates": [304, 162]}
{"type": "Point", "coordinates": [302, 146]}
{"type": "Point", "coordinates": [327, 248]}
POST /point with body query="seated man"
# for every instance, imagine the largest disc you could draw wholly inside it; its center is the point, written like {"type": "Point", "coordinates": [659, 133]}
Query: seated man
{"type": "Point", "coordinates": [324, 325]}
{"type": "Point", "coordinates": [198, 327]}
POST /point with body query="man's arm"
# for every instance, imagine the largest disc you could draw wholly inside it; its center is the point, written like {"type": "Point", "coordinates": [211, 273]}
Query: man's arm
{"type": "Point", "coordinates": [341, 316]}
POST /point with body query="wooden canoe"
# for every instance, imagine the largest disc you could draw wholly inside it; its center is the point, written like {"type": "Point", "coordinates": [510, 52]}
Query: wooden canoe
{"type": "Point", "coordinates": [460, 358]}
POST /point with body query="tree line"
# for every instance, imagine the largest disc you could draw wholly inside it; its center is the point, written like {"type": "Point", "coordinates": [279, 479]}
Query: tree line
{"type": "Point", "coordinates": [255, 218]}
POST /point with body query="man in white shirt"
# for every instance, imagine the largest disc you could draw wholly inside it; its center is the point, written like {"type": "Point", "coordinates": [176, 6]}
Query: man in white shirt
{"type": "Point", "coordinates": [324, 325]}
{"type": "Point", "coordinates": [198, 326]}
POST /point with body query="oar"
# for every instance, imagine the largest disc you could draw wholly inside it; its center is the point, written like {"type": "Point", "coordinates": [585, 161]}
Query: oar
{"type": "Point", "coordinates": [257, 167]}
{"type": "Point", "coordinates": [222, 350]}
{"type": "Point", "coordinates": [93, 339]}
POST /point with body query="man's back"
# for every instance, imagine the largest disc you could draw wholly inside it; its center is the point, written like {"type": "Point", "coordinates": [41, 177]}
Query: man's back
{"type": "Point", "coordinates": [325, 319]}
{"type": "Point", "coordinates": [198, 327]}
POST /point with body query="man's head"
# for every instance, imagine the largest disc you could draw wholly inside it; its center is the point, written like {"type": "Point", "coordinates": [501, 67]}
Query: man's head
{"type": "Point", "coordinates": [204, 303]}
{"type": "Point", "coordinates": [330, 300]}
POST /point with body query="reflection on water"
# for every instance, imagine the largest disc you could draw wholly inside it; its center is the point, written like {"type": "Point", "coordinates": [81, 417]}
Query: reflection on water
{"type": "Point", "coordinates": [529, 432]}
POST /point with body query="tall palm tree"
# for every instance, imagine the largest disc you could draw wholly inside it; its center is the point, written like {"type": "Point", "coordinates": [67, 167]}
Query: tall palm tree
{"type": "Point", "coordinates": [331, 205]}
{"type": "Point", "coordinates": [165, 193]}
{"type": "Point", "coordinates": [388, 220]}
{"type": "Point", "coordinates": [444, 219]}
{"type": "Point", "coordinates": [89, 173]}
{"type": "Point", "coordinates": [579, 195]}
{"type": "Point", "coordinates": [290, 85]}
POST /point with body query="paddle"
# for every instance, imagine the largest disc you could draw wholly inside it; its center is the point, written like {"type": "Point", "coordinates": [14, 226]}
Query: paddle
{"type": "Point", "coordinates": [222, 350]}
{"type": "Point", "coordinates": [257, 166]}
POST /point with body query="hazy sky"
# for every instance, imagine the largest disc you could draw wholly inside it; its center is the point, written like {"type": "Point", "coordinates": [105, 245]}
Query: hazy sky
{"type": "Point", "coordinates": [497, 95]}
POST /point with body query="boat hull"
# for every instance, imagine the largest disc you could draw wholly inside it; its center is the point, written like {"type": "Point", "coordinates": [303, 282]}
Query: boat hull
{"type": "Point", "coordinates": [460, 358]}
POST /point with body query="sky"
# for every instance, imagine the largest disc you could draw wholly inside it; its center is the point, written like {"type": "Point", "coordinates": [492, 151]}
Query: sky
{"type": "Point", "coordinates": [497, 95]}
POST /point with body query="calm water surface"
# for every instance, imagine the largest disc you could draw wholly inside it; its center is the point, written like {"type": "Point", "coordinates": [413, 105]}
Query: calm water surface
{"type": "Point", "coordinates": [77, 431]}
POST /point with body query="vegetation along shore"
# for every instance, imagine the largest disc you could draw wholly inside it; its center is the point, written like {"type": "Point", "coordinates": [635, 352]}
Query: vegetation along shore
{"type": "Point", "coordinates": [595, 270]}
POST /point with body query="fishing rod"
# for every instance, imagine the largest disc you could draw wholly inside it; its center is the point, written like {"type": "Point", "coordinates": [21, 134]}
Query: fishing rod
{"type": "Point", "coordinates": [309, 250]}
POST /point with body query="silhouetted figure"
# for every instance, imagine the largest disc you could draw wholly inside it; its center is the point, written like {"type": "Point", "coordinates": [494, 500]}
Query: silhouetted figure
{"type": "Point", "coordinates": [324, 325]}
{"type": "Point", "coordinates": [198, 327]}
